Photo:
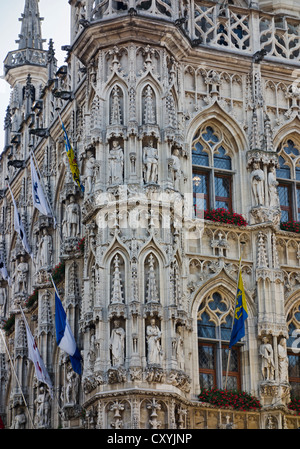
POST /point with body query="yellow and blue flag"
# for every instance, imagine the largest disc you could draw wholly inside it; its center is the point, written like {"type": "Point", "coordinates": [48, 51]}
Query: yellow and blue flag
{"type": "Point", "coordinates": [240, 314]}
{"type": "Point", "coordinates": [72, 160]}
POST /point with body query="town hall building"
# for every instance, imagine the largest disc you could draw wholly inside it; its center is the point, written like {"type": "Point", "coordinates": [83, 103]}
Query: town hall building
{"type": "Point", "coordinates": [184, 120]}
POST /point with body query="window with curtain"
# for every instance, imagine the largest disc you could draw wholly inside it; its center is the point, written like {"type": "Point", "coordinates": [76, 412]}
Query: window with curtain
{"type": "Point", "coordinates": [288, 177]}
{"type": "Point", "coordinates": [214, 322]}
{"type": "Point", "coordinates": [212, 170]}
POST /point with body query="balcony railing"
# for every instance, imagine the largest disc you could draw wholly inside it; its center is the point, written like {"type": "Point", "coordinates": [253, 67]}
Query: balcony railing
{"type": "Point", "coordinates": [210, 23]}
{"type": "Point", "coordinates": [26, 56]}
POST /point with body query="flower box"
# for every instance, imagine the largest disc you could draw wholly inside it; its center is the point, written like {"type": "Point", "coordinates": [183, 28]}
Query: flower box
{"type": "Point", "coordinates": [225, 216]}
{"type": "Point", "coordinates": [237, 400]}
{"type": "Point", "coordinates": [294, 405]}
{"type": "Point", "coordinates": [290, 226]}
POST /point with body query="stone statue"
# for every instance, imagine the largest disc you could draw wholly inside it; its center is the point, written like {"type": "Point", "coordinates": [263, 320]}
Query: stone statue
{"type": "Point", "coordinates": [257, 183]}
{"type": "Point", "coordinates": [45, 249]}
{"type": "Point", "coordinates": [283, 361]}
{"type": "Point", "coordinates": [116, 162]}
{"type": "Point", "coordinates": [91, 165]}
{"type": "Point", "coordinates": [72, 386]}
{"type": "Point", "coordinates": [176, 167]}
{"type": "Point", "coordinates": [42, 402]}
{"type": "Point", "coordinates": [20, 419]}
{"type": "Point", "coordinates": [117, 341]}
{"type": "Point", "coordinates": [267, 364]}
{"type": "Point", "coordinates": [3, 301]}
{"type": "Point", "coordinates": [272, 185]}
{"type": "Point", "coordinates": [150, 161]}
{"type": "Point", "coordinates": [72, 218]}
{"type": "Point", "coordinates": [21, 274]}
{"type": "Point", "coordinates": [179, 348]}
{"type": "Point", "coordinates": [153, 341]}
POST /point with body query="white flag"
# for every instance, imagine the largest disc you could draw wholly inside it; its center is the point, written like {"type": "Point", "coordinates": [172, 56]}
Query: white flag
{"type": "Point", "coordinates": [38, 194]}
{"type": "Point", "coordinates": [19, 228]}
{"type": "Point", "coordinates": [3, 270]}
{"type": "Point", "coordinates": [34, 355]}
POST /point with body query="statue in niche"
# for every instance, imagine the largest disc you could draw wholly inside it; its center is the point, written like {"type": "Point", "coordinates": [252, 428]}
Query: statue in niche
{"type": "Point", "coordinates": [116, 163]}
{"type": "Point", "coordinates": [91, 165]}
{"type": "Point", "coordinates": [176, 167]}
{"type": "Point", "coordinates": [267, 363]}
{"type": "Point", "coordinates": [3, 301]}
{"type": "Point", "coordinates": [45, 249]}
{"type": "Point", "coordinates": [20, 419]}
{"type": "Point", "coordinates": [283, 361]}
{"type": "Point", "coordinates": [117, 344]}
{"type": "Point", "coordinates": [179, 348]}
{"type": "Point", "coordinates": [42, 402]}
{"type": "Point", "coordinates": [257, 183]}
{"type": "Point", "coordinates": [91, 355]}
{"type": "Point", "coordinates": [20, 276]}
{"type": "Point", "coordinates": [72, 386]}
{"type": "Point", "coordinates": [153, 338]}
{"type": "Point", "coordinates": [272, 185]}
{"type": "Point", "coordinates": [71, 225]}
{"type": "Point", "coordinates": [150, 161]}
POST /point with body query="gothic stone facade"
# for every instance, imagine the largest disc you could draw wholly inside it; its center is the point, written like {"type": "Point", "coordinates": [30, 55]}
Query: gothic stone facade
{"type": "Point", "coordinates": [172, 106]}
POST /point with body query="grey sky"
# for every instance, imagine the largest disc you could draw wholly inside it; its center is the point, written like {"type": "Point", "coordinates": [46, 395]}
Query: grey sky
{"type": "Point", "coordinates": [56, 25]}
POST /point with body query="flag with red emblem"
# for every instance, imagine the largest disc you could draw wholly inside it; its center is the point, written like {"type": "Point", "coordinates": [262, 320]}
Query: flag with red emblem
{"type": "Point", "coordinates": [34, 355]}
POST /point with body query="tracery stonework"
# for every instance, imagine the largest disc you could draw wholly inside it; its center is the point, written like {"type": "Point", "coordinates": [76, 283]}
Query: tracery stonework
{"type": "Point", "coordinates": [196, 111]}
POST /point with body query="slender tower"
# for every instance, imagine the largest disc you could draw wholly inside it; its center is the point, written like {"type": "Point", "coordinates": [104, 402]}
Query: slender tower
{"type": "Point", "coordinates": [30, 57]}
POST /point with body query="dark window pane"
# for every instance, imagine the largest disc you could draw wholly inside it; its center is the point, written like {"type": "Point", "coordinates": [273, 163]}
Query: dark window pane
{"type": "Point", "coordinates": [206, 381]}
{"type": "Point", "coordinates": [284, 197]}
{"type": "Point", "coordinates": [210, 137]}
{"type": "Point", "coordinates": [221, 160]}
{"type": "Point", "coordinates": [200, 193]}
{"type": "Point", "coordinates": [290, 148]}
{"type": "Point", "coordinates": [294, 366]}
{"type": "Point", "coordinates": [206, 328]}
{"type": "Point", "coordinates": [233, 362]}
{"type": "Point", "coordinates": [232, 382]}
{"type": "Point", "coordinates": [206, 357]}
{"type": "Point", "coordinates": [222, 187]}
{"type": "Point", "coordinates": [284, 170]}
{"type": "Point", "coordinates": [226, 328]}
{"type": "Point", "coordinates": [199, 157]}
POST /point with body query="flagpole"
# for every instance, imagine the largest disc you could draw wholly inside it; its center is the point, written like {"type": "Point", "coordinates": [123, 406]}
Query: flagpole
{"type": "Point", "coordinates": [229, 353]}
{"type": "Point", "coordinates": [13, 368]}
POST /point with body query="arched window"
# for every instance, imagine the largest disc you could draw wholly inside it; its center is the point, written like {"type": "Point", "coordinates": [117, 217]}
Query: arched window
{"type": "Point", "coordinates": [288, 177]}
{"type": "Point", "coordinates": [293, 349]}
{"type": "Point", "coordinates": [214, 330]}
{"type": "Point", "coordinates": [212, 170]}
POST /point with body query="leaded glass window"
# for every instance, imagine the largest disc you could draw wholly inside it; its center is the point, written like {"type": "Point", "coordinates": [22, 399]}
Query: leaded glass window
{"type": "Point", "coordinates": [214, 330]}
{"type": "Point", "coordinates": [293, 346]}
{"type": "Point", "coordinates": [288, 177]}
{"type": "Point", "coordinates": [212, 169]}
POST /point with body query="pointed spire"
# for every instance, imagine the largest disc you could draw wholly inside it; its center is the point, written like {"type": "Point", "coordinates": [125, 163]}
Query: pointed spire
{"type": "Point", "coordinates": [31, 33]}
{"type": "Point", "coordinates": [30, 51]}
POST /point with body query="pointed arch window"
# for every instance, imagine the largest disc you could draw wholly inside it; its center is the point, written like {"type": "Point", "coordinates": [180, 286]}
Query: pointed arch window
{"type": "Point", "coordinates": [214, 323]}
{"type": "Point", "coordinates": [212, 169]}
{"type": "Point", "coordinates": [293, 350]}
{"type": "Point", "coordinates": [288, 177]}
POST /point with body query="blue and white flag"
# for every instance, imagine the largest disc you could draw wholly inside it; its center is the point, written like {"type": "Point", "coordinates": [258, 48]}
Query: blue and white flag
{"type": "Point", "coordinates": [19, 228]}
{"type": "Point", "coordinates": [64, 336]}
{"type": "Point", "coordinates": [38, 194]}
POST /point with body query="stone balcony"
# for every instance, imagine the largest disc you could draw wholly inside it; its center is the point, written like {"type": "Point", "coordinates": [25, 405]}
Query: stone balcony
{"type": "Point", "coordinates": [207, 23]}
